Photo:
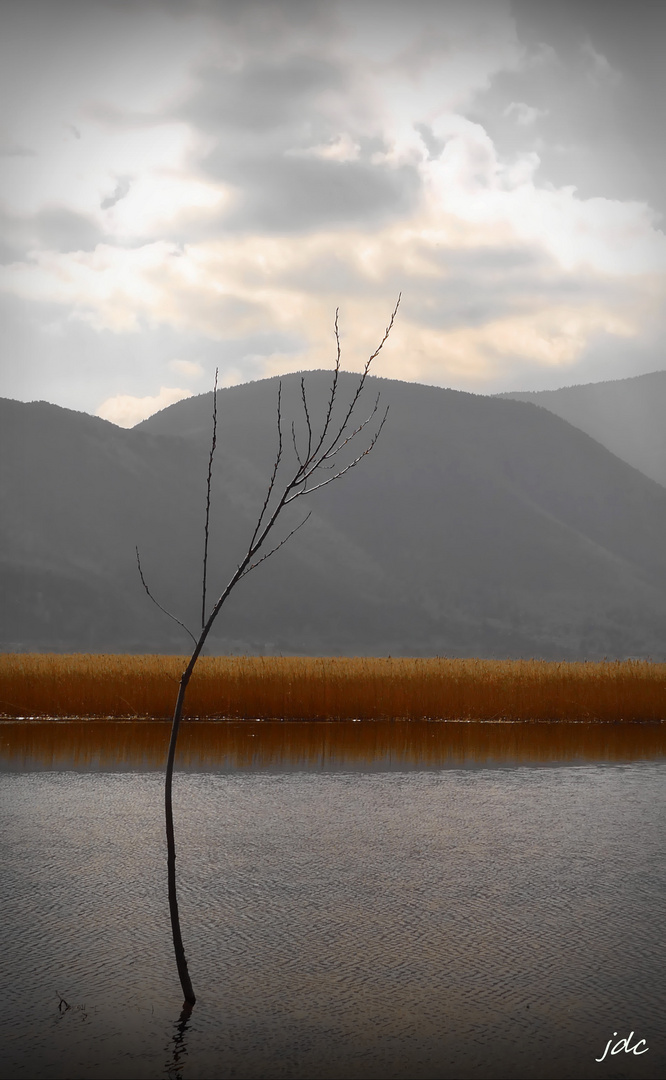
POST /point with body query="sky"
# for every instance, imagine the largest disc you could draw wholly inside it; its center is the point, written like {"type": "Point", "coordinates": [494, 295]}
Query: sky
{"type": "Point", "coordinates": [185, 186]}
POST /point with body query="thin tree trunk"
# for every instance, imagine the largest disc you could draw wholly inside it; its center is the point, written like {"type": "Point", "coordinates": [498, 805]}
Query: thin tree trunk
{"type": "Point", "coordinates": [181, 962]}
{"type": "Point", "coordinates": [321, 451]}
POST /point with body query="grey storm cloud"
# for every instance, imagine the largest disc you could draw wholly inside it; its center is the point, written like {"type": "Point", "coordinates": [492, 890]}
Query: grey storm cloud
{"type": "Point", "coordinates": [10, 147]}
{"type": "Point", "coordinates": [225, 121]}
{"type": "Point", "coordinates": [476, 286]}
{"type": "Point", "coordinates": [267, 116]}
{"type": "Point", "coordinates": [433, 145]}
{"type": "Point", "coordinates": [485, 286]}
{"type": "Point", "coordinates": [61, 229]}
{"type": "Point", "coordinates": [119, 192]}
{"type": "Point", "coordinates": [53, 228]}
{"type": "Point", "coordinates": [262, 94]}
{"type": "Point", "coordinates": [463, 287]}
{"type": "Point", "coordinates": [289, 193]}
{"type": "Point", "coordinates": [596, 75]}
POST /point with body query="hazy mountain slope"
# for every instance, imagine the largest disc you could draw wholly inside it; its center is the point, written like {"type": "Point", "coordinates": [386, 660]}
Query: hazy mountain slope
{"type": "Point", "coordinates": [626, 416]}
{"type": "Point", "coordinates": [476, 526]}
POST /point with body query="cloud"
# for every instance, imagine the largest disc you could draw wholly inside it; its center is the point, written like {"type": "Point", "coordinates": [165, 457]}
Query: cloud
{"type": "Point", "coordinates": [125, 410]}
{"type": "Point", "coordinates": [119, 192]}
{"type": "Point", "coordinates": [491, 266]}
{"type": "Point", "coordinates": [234, 376]}
{"type": "Point", "coordinates": [341, 148]}
{"type": "Point", "coordinates": [52, 228]}
{"type": "Point", "coordinates": [257, 95]}
{"type": "Point", "coordinates": [522, 113]}
{"type": "Point", "coordinates": [319, 128]}
{"type": "Point", "coordinates": [190, 369]}
{"type": "Point", "coordinates": [161, 204]}
{"type": "Point", "coordinates": [60, 229]}
{"type": "Point", "coordinates": [11, 147]}
{"type": "Point", "coordinates": [433, 145]}
{"type": "Point", "coordinates": [301, 157]}
{"type": "Point", "coordinates": [602, 71]}
{"type": "Point", "coordinates": [594, 72]}
{"type": "Point", "coordinates": [293, 194]}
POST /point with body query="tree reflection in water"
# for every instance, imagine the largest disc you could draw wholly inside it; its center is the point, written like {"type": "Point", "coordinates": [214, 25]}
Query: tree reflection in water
{"type": "Point", "coordinates": [174, 1067]}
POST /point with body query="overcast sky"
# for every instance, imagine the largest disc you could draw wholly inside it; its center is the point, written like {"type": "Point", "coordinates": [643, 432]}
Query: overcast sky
{"type": "Point", "coordinates": [186, 185]}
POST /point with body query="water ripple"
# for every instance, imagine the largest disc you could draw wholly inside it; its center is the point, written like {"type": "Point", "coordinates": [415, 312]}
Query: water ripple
{"type": "Point", "coordinates": [485, 923]}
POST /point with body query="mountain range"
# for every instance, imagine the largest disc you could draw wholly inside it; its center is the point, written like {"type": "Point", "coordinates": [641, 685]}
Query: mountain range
{"type": "Point", "coordinates": [477, 526]}
{"type": "Point", "coordinates": [624, 415]}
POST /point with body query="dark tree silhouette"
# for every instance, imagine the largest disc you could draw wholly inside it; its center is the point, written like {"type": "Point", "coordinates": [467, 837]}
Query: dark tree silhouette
{"type": "Point", "coordinates": [320, 451]}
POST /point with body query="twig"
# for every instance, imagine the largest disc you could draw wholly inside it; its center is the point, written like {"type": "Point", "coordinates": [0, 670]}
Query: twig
{"type": "Point", "coordinates": [276, 464]}
{"type": "Point", "coordinates": [277, 547]}
{"type": "Point", "coordinates": [143, 582]}
{"type": "Point", "coordinates": [210, 474]}
{"type": "Point", "coordinates": [307, 416]}
{"type": "Point", "coordinates": [364, 376]}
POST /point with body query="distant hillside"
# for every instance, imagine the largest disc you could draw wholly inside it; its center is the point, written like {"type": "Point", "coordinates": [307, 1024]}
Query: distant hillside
{"type": "Point", "coordinates": [478, 526]}
{"type": "Point", "coordinates": [626, 416]}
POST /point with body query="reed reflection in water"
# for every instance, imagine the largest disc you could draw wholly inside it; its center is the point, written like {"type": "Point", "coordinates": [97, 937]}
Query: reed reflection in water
{"type": "Point", "coordinates": [312, 746]}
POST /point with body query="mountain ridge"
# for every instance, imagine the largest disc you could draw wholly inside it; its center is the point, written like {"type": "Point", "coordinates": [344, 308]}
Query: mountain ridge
{"type": "Point", "coordinates": [477, 526]}
{"type": "Point", "coordinates": [624, 415]}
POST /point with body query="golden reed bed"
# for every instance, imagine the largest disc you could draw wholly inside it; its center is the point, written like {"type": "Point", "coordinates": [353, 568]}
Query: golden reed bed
{"type": "Point", "coordinates": [304, 688]}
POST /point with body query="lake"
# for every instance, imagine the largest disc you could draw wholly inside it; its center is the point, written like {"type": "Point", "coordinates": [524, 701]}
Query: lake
{"type": "Point", "coordinates": [372, 899]}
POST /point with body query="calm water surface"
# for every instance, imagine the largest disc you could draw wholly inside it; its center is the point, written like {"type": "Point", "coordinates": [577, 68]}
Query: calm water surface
{"type": "Point", "coordinates": [375, 900]}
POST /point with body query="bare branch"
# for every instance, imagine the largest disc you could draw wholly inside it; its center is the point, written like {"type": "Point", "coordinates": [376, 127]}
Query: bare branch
{"type": "Point", "coordinates": [210, 474]}
{"type": "Point", "coordinates": [276, 465]}
{"type": "Point", "coordinates": [321, 464]}
{"type": "Point", "coordinates": [143, 582]}
{"type": "Point", "coordinates": [364, 376]}
{"type": "Point", "coordinates": [307, 417]}
{"type": "Point", "coordinates": [277, 547]}
{"type": "Point", "coordinates": [334, 387]}
{"type": "Point", "coordinates": [308, 491]}
{"type": "Point", "coordinates": [293, 439]}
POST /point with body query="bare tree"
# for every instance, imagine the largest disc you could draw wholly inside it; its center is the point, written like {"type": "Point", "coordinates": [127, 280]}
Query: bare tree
{"type": "Point", "coordinates": [316, 455]}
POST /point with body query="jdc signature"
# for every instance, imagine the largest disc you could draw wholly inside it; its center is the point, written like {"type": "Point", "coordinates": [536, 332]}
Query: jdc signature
{"type": "Point", "coordinates": [623, 1044]}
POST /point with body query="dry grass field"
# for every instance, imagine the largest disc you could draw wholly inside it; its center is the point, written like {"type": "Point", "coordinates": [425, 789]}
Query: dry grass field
{"type": "Point", "coordinates": [303, 688]}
